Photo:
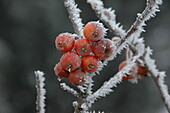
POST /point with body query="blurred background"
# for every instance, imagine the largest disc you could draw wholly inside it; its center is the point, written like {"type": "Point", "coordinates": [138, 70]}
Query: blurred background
{"type": "Point", "coordinates": [27, 33]}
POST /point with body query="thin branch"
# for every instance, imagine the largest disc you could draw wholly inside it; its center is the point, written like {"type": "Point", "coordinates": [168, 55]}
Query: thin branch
{"type": "Point", "coordinates": [40, 102]}
{"type": "Point", "coordinates": [74, 15]}
{"type": "Point", "coordinates": [68, 89]}
{"type": "Point", "coordinates": [135, 30]}
{"type": "Point", "coordinates": [158, 78]}
{"type": "Point", "coordinates": [150, 11]}
{"type": "Point", "coordinates": [107, 16]}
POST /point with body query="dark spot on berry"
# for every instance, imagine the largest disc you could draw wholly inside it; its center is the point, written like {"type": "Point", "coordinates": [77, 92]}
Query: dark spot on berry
{"type": "Point", "coordinates": [90, 66]}
{"type": "Point", "coordinates": [83, 50]}
{"type": "Point", "coordinates": [60, 45]}
{"type": "Point", "coordinates": [80, 109]}
{"type": "Point", "coordinates": [95, 34]}
{"type": "Point", "coordinates": [68, 67]}
{"type": "Point", "coordinates": [107, 51]}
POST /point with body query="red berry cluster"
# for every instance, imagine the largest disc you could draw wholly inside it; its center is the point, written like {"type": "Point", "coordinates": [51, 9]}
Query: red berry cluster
{"type": "Point", "coordinates": [141, 70]}
{"type": "Point", "coordinates": [82, 55]}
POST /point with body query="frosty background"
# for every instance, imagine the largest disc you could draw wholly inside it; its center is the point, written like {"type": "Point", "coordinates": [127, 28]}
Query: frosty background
{"type": "Point", "coordinates": [27, 32]}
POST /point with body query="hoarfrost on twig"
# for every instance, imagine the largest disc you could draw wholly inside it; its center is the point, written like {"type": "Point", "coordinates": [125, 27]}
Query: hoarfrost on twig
{"type": "Point", "coordinates": [68, 89]}
{"type": "Point", "coordinates": [158, 77]}
{"type": "Point", "coordinates": [40, 102]}
{"type": "Point", "coordinates": [74, 15]}
{"type": "Point", "coordinates": [107, 16]}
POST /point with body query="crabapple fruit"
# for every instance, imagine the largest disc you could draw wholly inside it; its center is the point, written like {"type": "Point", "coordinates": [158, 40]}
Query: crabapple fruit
{"type": "Point", "coordinates": [70, 61]}
{"type": "Point", "coordinates": [65, 42]}
{"type": "Point", "coordinates": [128, 77]}
{"type": "Point", "coordinates": [94, 31]}
{"type": "Point", "coordinates": [131, 72]}
{"type": "Point", "coordinates": [83, 47]}
{"type": "Point", "coordinates": [77, 77]}
{"type": "Point", "coordinates": [142, 70]}
{"type": "Point", "coordinates": [60, 72]}
{"type": "Point", "coordinates": [89, 63]}
{"type": "Point", "coordinates": [103, 49]}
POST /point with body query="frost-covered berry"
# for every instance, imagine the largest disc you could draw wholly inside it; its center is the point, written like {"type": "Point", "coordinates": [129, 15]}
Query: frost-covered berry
{"type": "Point", "coordinates": [142, 70]}
{"type": "Point", "coordinates": [131, 72]}
{"type": "Point", "coordinates": [60, 72]}
{"type": "Point", "coordinates": [94, 31]}
{"type": "Point", "coordinates": [65, 42]}
{"type": "Point", "coordinates": [103, 49]}
{"type": "Point", "coordinates": [83, 47]}
{"type": "Point", "coordinates": [90, 63]}
{"type": "Point", "coordinates": [77, 77]}
{"type": "Point", "coordinates": [70, 61]}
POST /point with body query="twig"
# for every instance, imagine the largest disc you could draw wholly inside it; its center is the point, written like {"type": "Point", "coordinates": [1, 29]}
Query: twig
{"type": "Point", "coordinates": [136, 29]}
{"type": "Point", "coordinates": [150, 11]}
{"type": "Point", "coordinates": [40, 102]}
{"type": "Point", "coordinates": [107, 16]}
{"type": "Point", "coordinates": [74, 15]}
{"type": "Point", "coordinates": [70, 90]}
{"type": "Point", "coordinates": [158, 78]}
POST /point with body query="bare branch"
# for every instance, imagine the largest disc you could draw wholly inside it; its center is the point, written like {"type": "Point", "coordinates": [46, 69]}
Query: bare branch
{"type": "Point", "coordinates": [158, 78]}
{"type": "Point", "coordinates": [74, 15]}
{"type": "Point", "coordinates": [68, 89]}
{"type": "Point", "coordinates": [40, 103]}
{"type": "Point", "coordinates": [150, 11]}
{"type": "Point", "coordinates": [107, 16]}
{"type": "Point", "coordinates": [135, 30]}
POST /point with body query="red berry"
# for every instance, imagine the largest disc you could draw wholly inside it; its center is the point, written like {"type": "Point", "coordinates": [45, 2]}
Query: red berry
{"type": "Point", "coordinates": [131, 72]}
{"type": "Point", "coordinates": [65, 42]}
{"type": "Point", "coordinates": [90, 63]}
{"type": "Point", "coordinates": [103, 49]}
{"type": "Point", "coordinates": [128, 77]}
{"type": "Point", "coordinates": [142, 70]}
{"type": "Point", "coordinates": [83, 47]}
{"type": "Point", "coordinates": [70, 61]}
{"type": "Point", "coordinates": [59, 71]}
{"type": "Point", "coordinates": [77, 77]}
{"type": "Point", "coordinates": [94, 31]}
